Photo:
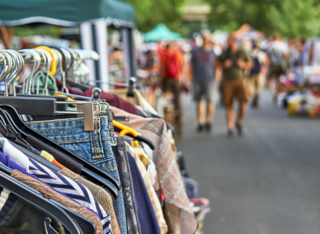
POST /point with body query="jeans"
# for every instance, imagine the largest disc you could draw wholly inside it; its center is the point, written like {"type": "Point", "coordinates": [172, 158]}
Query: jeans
{"type": "Point", "coordinates": [93, 146]}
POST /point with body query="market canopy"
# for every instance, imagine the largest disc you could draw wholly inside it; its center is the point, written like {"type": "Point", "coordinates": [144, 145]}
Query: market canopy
{"type": "Point", "coordinates": [159, 33]}
{"type": "Point", "coordinates": [246, 31]}
{"type": "Point", "coordinates": [62, 12]}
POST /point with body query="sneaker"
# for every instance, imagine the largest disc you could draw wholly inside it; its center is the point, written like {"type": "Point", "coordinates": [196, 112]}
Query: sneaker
{"type": "Point", "coordinates": [240, 129]}
{"type": "Point", "coordinates": [230, 133]}
{"type": "Point", "coordinates": [208, 127]}
{"type": "Point", "coordinates": [200, 128]}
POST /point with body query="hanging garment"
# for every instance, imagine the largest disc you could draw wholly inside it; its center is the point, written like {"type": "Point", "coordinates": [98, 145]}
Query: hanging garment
{"type": "Point", "coordinates": [151, 192]}
{"type": "Point", "coordinates": [99, 193]}
{"type": "Point", "coordinates": [93, 146]}
{"type": "Point", "coordinates": [15, 155]}
{"type": "Point", "coordinates": [147, 217]}
{"type": "Point", "coordinates": [18, 216]}
{"type": "Point", "coordinates": [172, 189]}
{"type": "Point", "coordinates": [50, 193]}
{"type": "Point", "coordinates": [130, 205]}
{"type": "Point", "coordinates": [72, 189]}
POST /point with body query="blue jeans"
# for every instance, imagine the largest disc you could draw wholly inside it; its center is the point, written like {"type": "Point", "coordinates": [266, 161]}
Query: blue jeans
{"type": "Point", "coordinates": [93, 146]}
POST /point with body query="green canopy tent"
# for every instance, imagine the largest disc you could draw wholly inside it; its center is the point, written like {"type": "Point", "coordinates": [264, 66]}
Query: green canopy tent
{"type": "Point", "coordinates": [93, 16]}
{"type": "Point", "coordinates": [159, 33]}
{"type": "Point", "coordinates": [62, 12]}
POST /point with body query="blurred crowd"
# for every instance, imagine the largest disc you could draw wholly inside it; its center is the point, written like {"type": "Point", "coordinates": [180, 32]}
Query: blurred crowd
{"type": "Point", "coordinates": [237, 69]}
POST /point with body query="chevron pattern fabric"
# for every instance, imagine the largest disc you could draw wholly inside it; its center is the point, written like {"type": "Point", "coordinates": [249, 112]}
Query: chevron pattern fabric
{"type": "Point", "coordinates": [72, 189]}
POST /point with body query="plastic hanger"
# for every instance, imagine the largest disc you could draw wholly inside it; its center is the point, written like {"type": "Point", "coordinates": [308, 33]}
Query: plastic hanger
{"type": "Point", "coordinates": [86, 225]}
{"type": "Point", "coordinates": [38, 201]}
{"type": "Point", "coordinates": [53, 63]}
{"type": "Point", "coordinates": [125, 130]}
{"type": "Point", "coordinates": [100, 177]}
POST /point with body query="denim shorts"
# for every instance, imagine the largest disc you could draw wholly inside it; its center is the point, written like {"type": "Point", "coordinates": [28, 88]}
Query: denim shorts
{"type": "Point", "coordinates": [204, 91]}
{"type": "Point", "coordinates": [93, 146]}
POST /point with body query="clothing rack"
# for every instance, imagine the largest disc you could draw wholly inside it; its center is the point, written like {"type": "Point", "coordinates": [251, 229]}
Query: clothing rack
{"type": "Point", "coordinates": [74, 159]}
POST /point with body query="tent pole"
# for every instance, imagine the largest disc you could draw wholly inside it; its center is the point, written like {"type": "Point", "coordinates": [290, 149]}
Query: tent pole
{"type": "Point", "coordinates": [126, 51]}
{"type": "Point", "coordinates": [87, 44]}
{"type": "Point", "coordinates": [100, 34]}
{"type": "Point", "coordinates": [133, 63]}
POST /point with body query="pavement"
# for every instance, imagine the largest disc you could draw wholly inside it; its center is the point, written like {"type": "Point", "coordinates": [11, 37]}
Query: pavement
{"type": "Point", "coordinates": [267, 182]}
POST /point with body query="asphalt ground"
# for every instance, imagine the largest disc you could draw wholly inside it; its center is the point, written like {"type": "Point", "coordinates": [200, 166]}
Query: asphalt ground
{"type": "Point", "coordinates": [267, 182]}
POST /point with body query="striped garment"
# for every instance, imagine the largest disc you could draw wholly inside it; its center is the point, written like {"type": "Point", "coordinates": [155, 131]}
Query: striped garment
{"type": "Point", "coordinates": [135, 151]}
{"type": "Point", "coordinates": [170, 180]}
{"type": "Point", "coordinates": [72, 189]}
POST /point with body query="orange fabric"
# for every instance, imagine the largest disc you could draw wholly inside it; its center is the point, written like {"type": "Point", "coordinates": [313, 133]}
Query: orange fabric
{"type": "Point", "coordinates": [117, 225]}
{"type": "Point", "coordinates": [55, 162]}
{"type": "Point", "coordinates": [163, 61]}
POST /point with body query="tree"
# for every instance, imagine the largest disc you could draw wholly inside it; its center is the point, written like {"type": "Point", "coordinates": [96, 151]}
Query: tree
{"type": "Point", "coordinates": [290, 18]}
{"type": "Point", "coordinates": [296, 18]}
{"type": "Point", "coordinates": [149, 13]}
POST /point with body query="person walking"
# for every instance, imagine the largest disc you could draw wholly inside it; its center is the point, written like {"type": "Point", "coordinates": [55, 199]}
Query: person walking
{"type": "Point", "coordinates": [172, 60]}
{"type": "Point", "coordinates": [278, 53]}
{"type": "Point", "coordinates": [203, 71]}
{"type": "Point", "coordinates": [233, 61]}
{"type": "Point", "coordinates": [255, 82]}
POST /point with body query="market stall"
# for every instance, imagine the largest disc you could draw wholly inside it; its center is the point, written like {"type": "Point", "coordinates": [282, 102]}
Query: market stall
{"type": "Point", "coordinates": [248, 32]}
{"type": "Point", "coordinates": [93, 17]}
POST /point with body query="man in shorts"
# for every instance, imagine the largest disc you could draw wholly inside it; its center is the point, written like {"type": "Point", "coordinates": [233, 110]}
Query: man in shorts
{"type": "Point", "coordinates": [233, 61]}
{"type": "Point", "coordinates": [278, 54]}
{"type": "Point", "coordinates": [203, 70]}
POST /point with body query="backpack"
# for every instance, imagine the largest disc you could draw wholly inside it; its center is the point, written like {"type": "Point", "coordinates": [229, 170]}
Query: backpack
{"type": "Point", "coordinates": [172, 66]}
{"type": "Point", "coordinates": [256, 66]}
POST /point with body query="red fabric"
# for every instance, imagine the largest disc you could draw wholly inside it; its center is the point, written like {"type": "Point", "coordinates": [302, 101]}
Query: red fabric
{"type": "Point", "coordinates": [112, 99]}
{"type": "Point", "coordinates": [171, 63]}
{"type": "Point", "coordinates": [172, 66]}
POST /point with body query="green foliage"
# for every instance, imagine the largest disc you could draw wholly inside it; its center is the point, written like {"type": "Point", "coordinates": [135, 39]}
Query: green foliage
{"type": "Point", "coordinates": [290, 18]}
{"type": "Point", "coordinates": [42, 30]}
{"type": "Point", "coordinates": [150, 12]}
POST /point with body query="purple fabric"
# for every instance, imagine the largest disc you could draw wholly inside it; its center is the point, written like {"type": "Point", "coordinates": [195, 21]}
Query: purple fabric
{"type": "Point", "coordinates": [146, 215]}
{"type": "Point", "coordinates": [6, 161]}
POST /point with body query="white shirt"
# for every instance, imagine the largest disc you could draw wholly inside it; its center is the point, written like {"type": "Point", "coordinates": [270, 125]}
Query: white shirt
{"type": "Point", "coordinates": [277, 50]}
{"type": "Point", "coordinates": [14, 154]}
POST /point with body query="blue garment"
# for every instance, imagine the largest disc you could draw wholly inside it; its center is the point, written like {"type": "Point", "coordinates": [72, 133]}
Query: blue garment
{"type": "Point", "coordinates": [147, 217]}
{"type": "Point", "coordinates": [93, 146]}
{"type": "Point", "coordinates": [203, 65]}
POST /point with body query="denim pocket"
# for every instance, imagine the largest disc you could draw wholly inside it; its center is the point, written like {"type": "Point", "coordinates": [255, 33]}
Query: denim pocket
{"type": "Point", "coordinates": [70, 134]}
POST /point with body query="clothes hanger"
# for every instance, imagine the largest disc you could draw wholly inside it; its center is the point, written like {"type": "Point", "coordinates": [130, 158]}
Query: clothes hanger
{"type": "Point", "coordinates": [24, 104]}
{"type": "Point", "coordinates": [86, 226]}
{"type": "Point", "coordinates": [70, 82]}
{"type": "Point", "coordinates": [43, 106]}
{"type": "Point", "coordinates": [90, 171]}
{"type": "Point", "coordinates": [127, 130]}
{"type": "Point", "coordinates": [48, 228]}
{"type": "Point", "coordinates": [36, 157]}
{"type": "Point", "coordinates": [110, 182]}
{"type": "Point", "coordinates": [12, 131]}
{"type": "Point", "coordinates": [36, 200]}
